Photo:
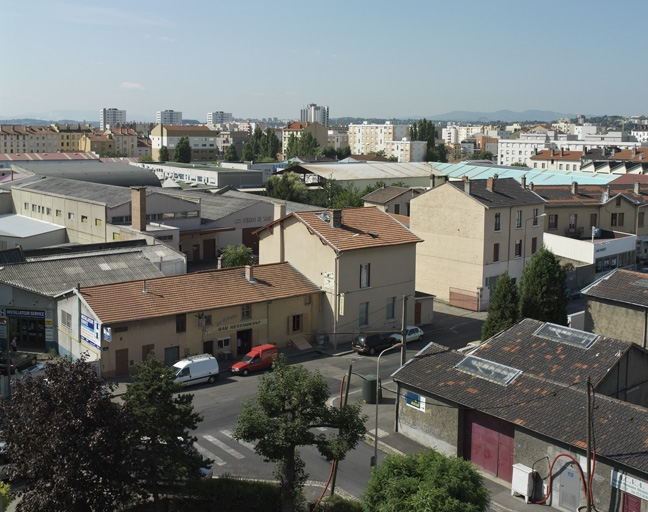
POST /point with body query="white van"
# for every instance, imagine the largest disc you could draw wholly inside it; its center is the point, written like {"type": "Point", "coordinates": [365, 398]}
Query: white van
{"type": "Point", "coordinates": [197, 369]}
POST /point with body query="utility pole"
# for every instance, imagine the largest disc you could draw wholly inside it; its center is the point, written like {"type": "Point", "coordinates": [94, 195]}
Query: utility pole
{"type": "Point", "coordinates": [342, 405]}
{"type": "Point", "coordinates": [588, 414]}
{"type": "Point", "coordinates": [404, 331]}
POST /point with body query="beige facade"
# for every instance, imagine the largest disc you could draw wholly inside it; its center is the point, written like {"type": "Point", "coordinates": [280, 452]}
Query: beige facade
{"type": "Point", "coordinates": [368, 138]}
{"type": "Point", "coordinates": [467, 245]}
{"type": "Point", "coordinates": [125, 141]}
{"type": "Point", "coordinates": [99, 144]}
{"type": "Point", "coordinates": [28, 139]}
{"type": "Point", "coordinates": [406, 150]}
{"type": "Point", "coordinates": [317, 130]}
{"type": "Point", "coordinates": [70, 135]}
{"type": "Point", "coordinates": [202, 139]}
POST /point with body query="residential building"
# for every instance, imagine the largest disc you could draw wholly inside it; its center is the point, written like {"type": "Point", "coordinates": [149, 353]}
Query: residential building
{"type": "Point", "coordinates": [28, 139]}
{"type": "Point", "coordinates": [349, 254]}
{"type": "Point", "coordinates": [227, 138]}
{"type": "Point", "coordinates": [96, 143]}
{"type": "Point", "coordinates": [297, 129]}
{"type": "Point", "coordinates": [168, 117]}
{"type": "Point", "coordinates": [456, 134]}
{"type": "Point", "coordinates": [517, 408]}
{"type": "Point", "coordinates": [473, 231]}
{"type": "Point", "coordinates": [406, 150]}
{"type": "Point", "coordinates": [640, 133]}
{"type": "Point", "coordinates": [219, 117]}
{"type": "Point", "coordinates": [559, 159]}
{"type": "Point", "coordinates": [125, 141]}
{"type": "Point", "coordinates": [111, 117]}
{"type": "Point", "coordinates": [520, 151]}
{"type": "Point", "coordinates": [70, 135]}
{"type": "Point", "coordinates": [338, 138]}
{"type": "Point", "coordinates": [313, 113]}
{"type": "Point", "coordinates": [221, 312]}
{"type": "Point", "coordinates": [368, 138]}
{"type": "Point", "coordinates": [394, 200]}
{"type": "Point", "coordinates": [202, 140]}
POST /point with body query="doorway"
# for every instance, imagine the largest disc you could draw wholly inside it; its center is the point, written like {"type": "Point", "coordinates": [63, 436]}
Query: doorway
{"type": "Point", "coordinates": [171, 355]}
{"type": "Point", "coordinates": [121, 362]}
{"type": "Point", "coordinates": [243, 342]}
{"type": "Point", "coordinates": [208, 347]}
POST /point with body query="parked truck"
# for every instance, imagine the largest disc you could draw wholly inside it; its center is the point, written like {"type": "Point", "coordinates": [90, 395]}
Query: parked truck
{"type": "Point", "coordinates": [259, 358]}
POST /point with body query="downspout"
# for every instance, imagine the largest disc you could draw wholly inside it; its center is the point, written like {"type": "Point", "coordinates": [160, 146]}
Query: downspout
{"type": "Point", "coordinates": [336, 299]}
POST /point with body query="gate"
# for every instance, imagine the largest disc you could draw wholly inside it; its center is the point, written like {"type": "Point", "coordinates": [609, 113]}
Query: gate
{"type": "Point", "coordinates": [465, 299]}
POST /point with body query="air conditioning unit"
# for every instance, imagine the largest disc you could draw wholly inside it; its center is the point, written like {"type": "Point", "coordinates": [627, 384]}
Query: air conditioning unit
{"type": "Point", "coordinates": [523, 480]}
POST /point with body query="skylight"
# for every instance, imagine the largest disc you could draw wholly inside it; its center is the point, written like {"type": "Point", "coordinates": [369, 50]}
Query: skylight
{"type": "Point", "coordinates": [567, 335]}
{"type": "Point", "coordinates": [488, 370]}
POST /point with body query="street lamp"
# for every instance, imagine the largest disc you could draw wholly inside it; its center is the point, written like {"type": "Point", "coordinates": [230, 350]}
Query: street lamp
{"type": "Point", "coordinates": [374, 461]}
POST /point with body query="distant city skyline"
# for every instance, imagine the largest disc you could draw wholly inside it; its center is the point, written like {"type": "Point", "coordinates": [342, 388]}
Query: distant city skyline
{"type": "Point", "coordinates": [365, 59]}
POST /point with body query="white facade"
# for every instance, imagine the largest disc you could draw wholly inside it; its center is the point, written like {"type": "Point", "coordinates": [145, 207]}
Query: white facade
{"type": "Point", "coordinates": [641, 133]}
{"type": "Point", "coordinates": [512, 151]}
{"type": "Point", "coordinates": [168, 117]}
{"type": "Point", "coordinates": [338, 139]}
{"type": "Point", "coordinates": [111, 117]}
{"type": "Point", "coordinates": [315, 114]}
{"type": "Point", "coordinates": [455, 134]}
{"type": "Point", "coordinates": [219, 117]}
{"type": "Point", "coordinates": [406, 150]}
{"type": "Point", "coordinates": [366, 138]}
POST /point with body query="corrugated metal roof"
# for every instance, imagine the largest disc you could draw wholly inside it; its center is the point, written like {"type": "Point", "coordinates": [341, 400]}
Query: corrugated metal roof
{"type": "Point", "coordinates": [536, 176]}
{"type": "Point", "coordinates": [372, 171]}
{"type": "Point", "coordinates": [52, 277]}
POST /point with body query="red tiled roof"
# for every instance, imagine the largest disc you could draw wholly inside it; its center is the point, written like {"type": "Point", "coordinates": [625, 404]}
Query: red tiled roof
{"type": "Point", "coordinates": [296, 126]}
{"type": "Point", "coordinates": [556, 154]}
{"type": "Point", "coordinates": [199, 291]}
{"type": "Point", "coordinates": [562, 195]}
{"type": "Point", "coordinates": [362, 228]}
{"type": "Point", "coordinates": [57, 155]}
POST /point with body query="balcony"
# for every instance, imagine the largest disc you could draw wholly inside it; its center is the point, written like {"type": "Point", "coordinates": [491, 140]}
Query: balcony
{"type": "Point", "coordinates": [574, 232]}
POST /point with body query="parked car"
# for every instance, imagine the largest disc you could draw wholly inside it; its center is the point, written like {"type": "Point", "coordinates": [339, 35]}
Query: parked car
{"type": "Point", "coordinates": [197, 369]}
{"type": "Point", "coordinates": [19, 362]}
{"type": "Point", "coordinates": [259, 358]}
{"type": "Point", "coordinates": [371, 343]}
{"type": "Point", "coordinates": [413, 334]}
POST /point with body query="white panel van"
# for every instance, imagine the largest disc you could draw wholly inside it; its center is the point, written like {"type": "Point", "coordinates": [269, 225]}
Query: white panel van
{"type": "Point", "coordinates": [197, 369]}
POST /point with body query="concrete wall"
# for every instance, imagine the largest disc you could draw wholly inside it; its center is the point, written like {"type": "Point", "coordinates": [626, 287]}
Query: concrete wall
{"type": "Point", "coordinates": [623, 322]}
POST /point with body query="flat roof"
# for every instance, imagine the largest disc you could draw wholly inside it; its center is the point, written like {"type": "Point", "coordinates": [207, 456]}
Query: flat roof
{"type": "Point", "coordinates": [18, 226]}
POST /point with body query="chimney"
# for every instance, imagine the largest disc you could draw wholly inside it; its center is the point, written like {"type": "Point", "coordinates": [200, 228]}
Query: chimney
{"type": "Point", "coordinates": [637, 188]}
{"type": "Point", "coordinates": [490, 184]}
{"type": "Point", "coordinates": [466, 181]}
{"type": "Point", "coordinates": [249, 274]}
{"type": "Point", "coordinates": [144, 290]}
{"type": "Point", "coordinates": [531, 186]}
{"type": "Point", "coordinates": [574, 188]}
{"type": "Point", "coordinates": [138, 208]}
{"type": "Point", "coordinates": [562, 151]}
{"type": "Point", "coordinates": [335, 218]}
{"type": "Point", "coordinates": [523, 181]}
{"type": "Point", "coordinates": [279, 210]}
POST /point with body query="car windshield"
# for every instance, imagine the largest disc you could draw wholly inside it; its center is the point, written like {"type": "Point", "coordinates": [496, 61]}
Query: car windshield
{"type": "Point", "coordinates": [246, 358]}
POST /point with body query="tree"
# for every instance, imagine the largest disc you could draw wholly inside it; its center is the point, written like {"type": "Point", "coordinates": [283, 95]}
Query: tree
{"type": "Point", "coordinates": [270, 145]}
{"type": "Point", "coordinates": [503, 308]}
{"type": "Point", "coordinates": [182, 151]}
{"type": "Point", "coordinates": [425, 481]}
{"type": "Point", "coordinates": [231, 155]}
{"type": "Point", "coordinates": [482, 155]}
{"type": "Point", "coordinates": [145, 158]}
{"type": "Point", "coordinates": [306, 145]}
{"type": "Point", "coordinates": [287, 186]}
{"type": "Point", "coordinates": [160, 425]}
{"type": "Point", "coordinates": [425, 130]}
{"type": "Point", "coordinates": [543, 289]}
{"type": "Point", "coordinates": [343, 152]}
{"type": "Point", "coordinates": [237, 256]}
{"type": "Point", "coordinates": [289, 406]}
{"type": "Point", "coordinates": [252, 148]}
{"type": "Point", "coordinates": [163, 155]}
{"type": "Point", "coordinates": [66, 438]}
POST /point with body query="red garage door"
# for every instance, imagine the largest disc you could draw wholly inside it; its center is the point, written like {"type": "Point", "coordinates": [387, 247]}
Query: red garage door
{"type": "Point", "coordinates": [489, 444]}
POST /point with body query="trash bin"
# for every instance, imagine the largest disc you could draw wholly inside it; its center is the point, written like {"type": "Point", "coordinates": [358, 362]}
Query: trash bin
{"type": "Point", "coordinates": [369, 389]}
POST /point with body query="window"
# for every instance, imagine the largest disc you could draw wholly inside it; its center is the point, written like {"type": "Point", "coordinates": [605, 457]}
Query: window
{"type": "Point", "coordinates": [535, 217]}
{"type": "Point", "coordinates": [295, 323]}
{"type": "Point", "coordinates": [390, 310]}
{"type": "Point", "coordinates": [70, 216]}
{"type": "Point", "coordinates": [66, 319]}
{"type": "Point", "coordinates": [365, 274]}
{"type": "Point", "coordinates": [618, 202]}
{"type": "Point", "coordinates": [496, 252]}
{"type": "Point", "coordinates": [363, 314]}
{"type": "Point", "coordinates": [593, 220]}
{"type": "Point", "coordinates": [116, 236]}
{"type": "Point", "coordinates": [640, 220]}
{"type": "Point", "coordinates": [208, 320]}
{"type": "Point", "coordinates": [613, 219]}
{"type": "Point", "coordinates": [84, 219]}
{"type": "Point", "coordinates": [518, 248]}
{"type": "Point", "coordinates": [223, 342]}
{"type": "Point", "coordinates": [33, 207]}
{"type": "Point", "coordinates": [246, 311]}
{"type": "Point", "coordinates": [498, 222]}
{"type": "Point", "coordinates": [48, 211]}
{"type": "Point", "coordinates": [572, 221]}
{"type": "Point", "coordinates": [534, 245]}
{"type": "Point", "coordinates": [621, 215]}
{"type": "Point", "coordinates": [26, 206]}
{"type": "Point", "coordinates": [181, 323]}
{"type": "Point", "coordinates": [518, 219]}
{"type": "Point", "coordinates": [98, 222]}
{"type": "Point", "coordinates": [553, 221]}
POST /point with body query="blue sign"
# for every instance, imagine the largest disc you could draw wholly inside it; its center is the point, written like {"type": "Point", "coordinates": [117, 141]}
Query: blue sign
{"type": "Point", "coordinates": [414, 400]}
{"type": "Point", "coordinates": [90, 331]}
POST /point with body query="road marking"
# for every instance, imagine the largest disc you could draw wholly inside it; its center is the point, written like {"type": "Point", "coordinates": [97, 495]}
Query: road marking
{"type": "Point", "coordinates": [229, 434]}
{"type": "Point", "coordinates": [217, 460]}
{"type": "Point", "coordinates": [224, 447]}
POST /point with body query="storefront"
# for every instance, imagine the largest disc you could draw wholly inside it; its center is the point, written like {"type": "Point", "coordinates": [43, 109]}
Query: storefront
{"type": "Point", "coordinates": [34, 328]}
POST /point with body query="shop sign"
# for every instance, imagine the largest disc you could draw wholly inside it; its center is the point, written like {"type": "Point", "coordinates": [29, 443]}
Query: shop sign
{"type": "Point", "coordinates": [25, 313]}
{"type": "Point", "coordinates": [415, 401]}
{"type": "Point", "coordinates": [242, 325]}
{"type": "Point", "coordinates": [630, 485]}
{"type": "Point", "coordinates": [89, 331]}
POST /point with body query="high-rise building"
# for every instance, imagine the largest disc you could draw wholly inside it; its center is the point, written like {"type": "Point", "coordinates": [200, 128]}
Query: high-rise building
{"type": "Point", "coordinates": [219, 117]}
{"type": "Point", "coordinates": [315, 114]}
{"type": "Point", "coordinates": [111, 117]}
{"type": "Point", "coordinates": [168, 117]}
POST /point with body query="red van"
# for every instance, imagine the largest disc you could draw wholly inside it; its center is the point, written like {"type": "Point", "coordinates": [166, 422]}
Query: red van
{"type": "Point", "coordinates": [259, 358]}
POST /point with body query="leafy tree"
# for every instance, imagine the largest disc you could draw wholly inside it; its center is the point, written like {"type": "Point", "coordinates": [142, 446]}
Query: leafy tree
{"type": "Point", "coordinates": [503, 308]}
{"type": "Point", "coordinates": [306, 145]}
{"type": "Point", "coordinates": [482, 155]}
{"type": "Point", "coordinates": [163, 155]}
{"type": "Point", "coordinates": [343, 152]}
{"type": "Point", "coordinates": [329, 152]}
{"type": "Point", "coordinates": [145, 158]}
{"type": "Point", "coordinates": [392, 159]}
{"type": "Point", "coordinates": [519, 164]}
{"type": "Point", "coordinates": [231, 155]}
{"type": "Point", "coordinates": [543, 289]}
{"type": "Point", "coordinates": [237, 255]}
{"type": "Point", "coordinates": [5, 495]}
{"type": "Point", "coordinates": [66, 438]}
{"type": "Point", "coordinates": [423, 482]}
{"type": "Point", "coordinates": [182, 151]}
{"type": "Point", "coordinates": [292, 148]}
{"type": "Point", "coordinates": [252, 148]}
{"type": "Point", "coordinates": [289, 406]}
{"type": "Point", "coordinates": [425, 130]}
{"type": "Point", "coordinates": [350, 197]}
{"type": "Point", "coordinates": [112, 154]}
{"type": "Point", "coordinates": [287, 186]}
{"type": "Point", "coordinates": [438, 153]}
{"type": "Point", "coordinates": [270, 144]}
{"type": "Point", "coordinates": [160, 425]}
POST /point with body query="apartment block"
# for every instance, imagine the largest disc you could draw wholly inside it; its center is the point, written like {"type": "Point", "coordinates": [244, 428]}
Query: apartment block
{"type": "Point", "coordinates": [368, 138]}
{"type": "Point", "coordinates": [219, 117]}
{"type": "Point", "coordinates": [313, 113]}
{"type": "Point", "coordinates": [111, 117]}
{"type": "Point", "coordinates": [168, 117]}
{"type": "Point", "coordinates": [28, 139]}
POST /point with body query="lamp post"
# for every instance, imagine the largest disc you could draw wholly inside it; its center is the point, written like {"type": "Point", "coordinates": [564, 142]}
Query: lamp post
{"type": "Point", "coordinates": [374, 461]}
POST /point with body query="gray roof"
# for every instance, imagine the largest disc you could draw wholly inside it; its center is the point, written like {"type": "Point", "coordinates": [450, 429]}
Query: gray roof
{"type": "Point", "coordinates": [291, 206]}
{"type": "Point", "coordinates": [55, 276]}
{"type": "Point", "coordinates": [506, 192]}
{"type": "Point", "coordinates": [214, 206]}
{"type": "Point", "coordinates": [372, 171]}
{"type": "Point", "coordinates": [621, 285]}
{"type": "Point", "coordinates": [14, 225]}
{"type": "Point", "coordinates": [119, 174]}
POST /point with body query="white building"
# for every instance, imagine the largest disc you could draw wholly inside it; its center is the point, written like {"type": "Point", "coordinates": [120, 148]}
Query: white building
{"type": "Point", "coordinates": [582, 131]}
{"type": "Point", "coordinates": [406, 150]}
{"type": "Point", "coordinates": [368, 138]}
{"type": "Point", "coordinates": [168, 117]}
{"type": "Point", "coordinates": [640, 132]}
{"type": "Point", "coordinates": [315, 114]}
{"type": "Point", "coordinates": [455, 134]}
{"type": "Point", "coordinates": [111, 117]}
{"type": "Point", "coordinates": [219, 117]}
{"type": "Point", "coordinates": [514, 151]}
{"type": "Point", "coordinates": [338, 139]}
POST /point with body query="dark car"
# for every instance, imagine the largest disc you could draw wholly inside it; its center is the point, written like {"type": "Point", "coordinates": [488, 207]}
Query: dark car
{"type": "Point", "coordinates": [19, 362]}
{"type": "Point", "coordinates": [371, 343]}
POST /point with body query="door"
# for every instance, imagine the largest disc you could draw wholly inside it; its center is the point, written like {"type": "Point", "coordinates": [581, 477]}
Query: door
{"type": "Point", "coordinates": [195, 252]}
{"type": "Point", "coordinates": [208, 347]}
{"type": "Point", "coordinates": [121, 362]}
{"type": "Point", "coordinates": [146, 350]}
{"type": "Point", "coordinates": [209, 249]}
{"type": "Point", "coordinates": [569, 488]}
{"type": "Point", "coordinates": [171, 355]}
{"type": "Point", "coordinates": [631, 503]}
{"type": "Point", "coordinates": [489, 444]}
{"type": "Point", "coordinates": [243, 342]}
{"type": "Point", "coordinates": [250, 240]}
{"type": "Point", "coordinates": [417, 313]}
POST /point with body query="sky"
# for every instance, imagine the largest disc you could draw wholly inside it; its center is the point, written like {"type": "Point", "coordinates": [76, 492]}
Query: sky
{"type": "Point", "coordinates": [363, 58]}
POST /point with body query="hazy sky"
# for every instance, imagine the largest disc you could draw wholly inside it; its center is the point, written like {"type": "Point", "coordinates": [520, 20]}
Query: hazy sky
{"type": "Point", "coordinates": [362, 58]}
